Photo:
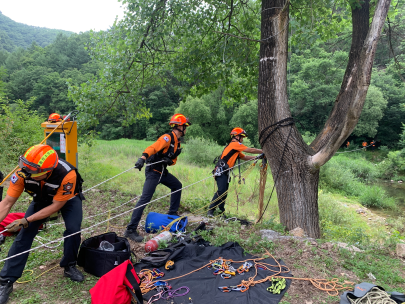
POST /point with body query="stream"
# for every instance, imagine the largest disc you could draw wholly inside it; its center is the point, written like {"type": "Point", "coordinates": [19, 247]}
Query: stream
{"type": "Point", "coordinates": [397, 191]}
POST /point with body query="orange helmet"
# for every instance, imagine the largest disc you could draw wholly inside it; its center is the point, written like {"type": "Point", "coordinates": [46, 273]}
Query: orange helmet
{"type": "Point", "coordinates": [179, 120]}
{"type": "Point", "coordinates": [39, 160]}
{"type": "Point", "coordinates": [238, 131]}
{"type": "Point", "coordinates": [54, 117]}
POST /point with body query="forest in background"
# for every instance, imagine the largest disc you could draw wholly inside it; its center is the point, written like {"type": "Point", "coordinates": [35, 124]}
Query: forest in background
{"type": "Point", "coordinates": [14, 35]}
{"type": "Point", "coordinates": [41, 77]}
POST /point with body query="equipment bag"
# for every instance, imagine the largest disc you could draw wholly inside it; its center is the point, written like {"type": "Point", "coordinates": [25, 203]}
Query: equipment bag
{"type": "Point", "coordinates": [155, 222]}
{"type": "Point", "coordinates": [98, 262]}
{"type": "Point", "coordinates": [118, 286]}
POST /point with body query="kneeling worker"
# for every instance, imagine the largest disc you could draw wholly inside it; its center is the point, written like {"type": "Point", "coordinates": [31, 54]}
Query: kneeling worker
{"type": "Point", "coordinates": [164, 151]}
{"type": "Point", "coordinates": [54, 185]}
{"type": "Point", "coordinates": [231, 153]}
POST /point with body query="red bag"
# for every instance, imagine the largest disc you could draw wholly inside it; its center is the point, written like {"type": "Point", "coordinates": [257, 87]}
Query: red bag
{"type": "Point", "coordinates": [118, 286]}
{"type": "Point", "coordinates": [11, 217]}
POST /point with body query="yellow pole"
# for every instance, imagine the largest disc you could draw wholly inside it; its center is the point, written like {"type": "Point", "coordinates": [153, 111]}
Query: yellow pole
{"type": "Point", "coordinates": [44, 140]}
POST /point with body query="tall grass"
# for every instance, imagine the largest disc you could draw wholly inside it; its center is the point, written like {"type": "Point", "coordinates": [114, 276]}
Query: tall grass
{"type": "Point", "coordinates": [350, 176]}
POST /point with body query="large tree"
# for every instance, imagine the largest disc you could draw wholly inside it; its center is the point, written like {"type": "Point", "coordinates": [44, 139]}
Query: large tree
{"type": "Point", "coordinates": [243, 47]}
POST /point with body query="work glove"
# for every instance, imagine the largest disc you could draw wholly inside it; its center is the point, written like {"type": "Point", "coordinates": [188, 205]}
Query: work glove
{"type": "Point", "coordinates": [17, 225]}
{"type": "Point", "coordinates": [261, 156]}
{"type": "Point", "coordinates": [167, 161]}
{"type": "Point", "coordinates": [139, 163]}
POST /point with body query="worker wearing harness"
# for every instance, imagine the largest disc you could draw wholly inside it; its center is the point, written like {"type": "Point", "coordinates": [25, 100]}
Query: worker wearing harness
{"type": "Point", "coordinates": [227, 160]}
{"type": "Point", "coordinates": [54, 185]}
{"type": "Point", "coordinates": [165, 151]}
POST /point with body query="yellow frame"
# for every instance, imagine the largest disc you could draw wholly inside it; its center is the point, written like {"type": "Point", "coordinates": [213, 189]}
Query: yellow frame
{"type": "Point", "coordinates": [70, 131]}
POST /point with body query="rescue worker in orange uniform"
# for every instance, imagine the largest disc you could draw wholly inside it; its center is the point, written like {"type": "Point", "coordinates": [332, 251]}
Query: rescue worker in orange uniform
{"type": "Point", "coordinates": [229, 155]}
{"type": "Point", "coordinates": [164, 151]}
{"type": "Point", "coordinates": [348, 144]}
{"type": "Point", "coordinates": [54, 185]}
{"type": "Point", "coordinates": [364, 144]}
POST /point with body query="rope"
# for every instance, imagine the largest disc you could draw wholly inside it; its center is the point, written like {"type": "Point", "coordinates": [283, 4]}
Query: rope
{"type": "Point", "coordinates": [32, 272]}
{"type": "Point", "coordinates": [119, 175]}
{"type": "Point", "coordinates": [374, 296]}
{"type": "Point", "coordinates": [279, 167]}
{"type": "Point", "coordinates": [332, 287]}
{"type": "Point", "coordinates": [102, 222]}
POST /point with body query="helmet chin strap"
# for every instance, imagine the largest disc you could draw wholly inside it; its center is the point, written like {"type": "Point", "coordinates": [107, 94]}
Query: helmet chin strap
{"type": "Point", "coordinates": [181, 131]}
{"type": "Point", "coordinates": [238, 139]}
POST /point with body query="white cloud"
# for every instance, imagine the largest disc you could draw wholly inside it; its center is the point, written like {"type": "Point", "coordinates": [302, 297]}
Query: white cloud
{"type": "Point", "coordinates": [73, 15]}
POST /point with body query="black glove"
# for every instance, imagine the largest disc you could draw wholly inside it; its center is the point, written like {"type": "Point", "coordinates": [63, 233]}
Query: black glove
{"type": "Point", "coordinates": [167, 161]}
{"type": "Point", "coordinates": [139, 163]}
{"type": "Point", "coordinates": [261, 156]}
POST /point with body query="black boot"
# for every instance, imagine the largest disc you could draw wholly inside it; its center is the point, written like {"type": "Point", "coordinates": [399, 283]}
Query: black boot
{"type": "Point", "coordinates": [6, 287]}
{"type": "Point", "coordinates": [133, 235]}
{"type": "Point", "coordinates": [173, 213]}
{"type": "Point", "coordinates": [73, 273]}
{"type": "Point", "coordinates": [210, 213]}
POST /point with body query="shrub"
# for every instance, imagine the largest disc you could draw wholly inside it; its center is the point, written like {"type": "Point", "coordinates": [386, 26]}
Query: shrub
{"type": "Point", "coordinates": [376, 197]}
{"type": "Point", "coordinates": [201, 152]}
{"type": "Point", "coordinates": [20, 128]}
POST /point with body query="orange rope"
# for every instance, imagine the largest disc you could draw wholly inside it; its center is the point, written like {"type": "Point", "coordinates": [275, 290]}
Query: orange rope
{"type": "Point", "coordinates": [332, 287]}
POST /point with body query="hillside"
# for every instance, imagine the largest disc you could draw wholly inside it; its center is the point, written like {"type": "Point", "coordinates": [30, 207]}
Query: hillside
{"type": "Point", "coordinates": [14, 34]}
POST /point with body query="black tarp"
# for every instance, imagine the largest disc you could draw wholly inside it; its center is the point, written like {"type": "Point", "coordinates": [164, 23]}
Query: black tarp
{"type": "Point", "coordinates": [204, 285]}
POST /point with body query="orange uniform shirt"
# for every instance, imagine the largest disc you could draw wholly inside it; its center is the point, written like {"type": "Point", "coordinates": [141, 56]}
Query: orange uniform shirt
{"type": "Point", "coordinates": [234, 145]}
{"type": "Point", "coordinates": [163, 143]}
{"type": "Point", "coordinates": [17, 187]}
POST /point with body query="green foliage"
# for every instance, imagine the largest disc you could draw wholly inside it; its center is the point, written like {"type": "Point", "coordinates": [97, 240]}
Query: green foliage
{"type": "Point", "coordinates": [14, 34]}
{"type": "Point", "coordinates": [201, 152]}
{"type": "Point", "coordinates": [373, 111]}
{"type": "Point", "coordinates": [348, 175]}
{"type": "Point", "coordinates": [20, 128]}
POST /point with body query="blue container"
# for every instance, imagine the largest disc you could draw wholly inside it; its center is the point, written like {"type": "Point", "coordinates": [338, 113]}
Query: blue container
{"type": "Point", "coordinates": [155, 221]}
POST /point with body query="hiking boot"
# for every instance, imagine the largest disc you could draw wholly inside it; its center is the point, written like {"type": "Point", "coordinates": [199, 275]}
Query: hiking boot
{"type": "Point", "coordinates": [173, 213]}
{"type": "Point", "coordinates": [73, 273]}
{"type": "Point", "coordinates": [210, 213]}
{"type": "Point", "coordinates": [133, 235]}
{"type": "Point", "coordinates": [6, 287]}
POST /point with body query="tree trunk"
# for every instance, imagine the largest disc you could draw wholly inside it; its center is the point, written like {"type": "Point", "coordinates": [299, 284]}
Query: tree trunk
{"type": "Point", "coordinates": [294, 165]}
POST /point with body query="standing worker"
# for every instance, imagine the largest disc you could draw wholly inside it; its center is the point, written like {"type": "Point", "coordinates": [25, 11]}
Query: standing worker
{"type": "Point", "coordinates": [364, 144]}
{"type": "Point", "coordinates": [54, 185]}
{"type": "Point", "coordinates": [347, 144]}
{"type": "Point", "coordinates": [164, 151]}
{"type": "Point", "coordinates": [231, 153]}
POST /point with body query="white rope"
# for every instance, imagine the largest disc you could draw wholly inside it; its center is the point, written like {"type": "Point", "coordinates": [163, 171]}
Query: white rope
{"type": "Point", "coordinates": [118, 175]}
{"type": "Point", "coordinates": [111, 218]}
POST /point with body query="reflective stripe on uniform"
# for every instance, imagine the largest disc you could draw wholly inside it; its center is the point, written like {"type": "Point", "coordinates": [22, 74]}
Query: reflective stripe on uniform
{"type": "Point", "coordinates": [65, 165]}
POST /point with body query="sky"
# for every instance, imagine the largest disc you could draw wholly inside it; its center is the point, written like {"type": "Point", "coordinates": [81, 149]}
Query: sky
{"type": "Point", "coordinates": [72, 15]}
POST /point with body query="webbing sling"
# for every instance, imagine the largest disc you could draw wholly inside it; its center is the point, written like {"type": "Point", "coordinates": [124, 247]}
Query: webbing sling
{"type": "Point", "coordinates": [130, 276]}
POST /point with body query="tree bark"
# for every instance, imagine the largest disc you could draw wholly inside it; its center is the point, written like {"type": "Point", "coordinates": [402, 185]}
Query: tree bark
{"type": "Point", "coordinates": [295, 165]}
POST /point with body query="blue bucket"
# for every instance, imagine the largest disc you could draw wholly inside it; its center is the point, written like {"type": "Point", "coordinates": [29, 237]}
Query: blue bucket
{"type": "Point", "coordinates": [155, 221]}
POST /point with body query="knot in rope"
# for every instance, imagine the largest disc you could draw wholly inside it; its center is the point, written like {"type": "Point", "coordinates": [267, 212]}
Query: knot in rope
{"type": "Point", "coordinates": [289, 121]}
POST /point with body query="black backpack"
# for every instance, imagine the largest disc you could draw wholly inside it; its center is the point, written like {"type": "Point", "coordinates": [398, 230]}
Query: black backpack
{"type": "Point", "coordinates": [98, 262]}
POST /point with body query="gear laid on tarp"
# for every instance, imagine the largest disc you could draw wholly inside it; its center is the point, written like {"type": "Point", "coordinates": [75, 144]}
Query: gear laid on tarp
{"type": "Point", "coordinates": [204, 285]}
{"type": "Point", "coordinates": [366, 293]}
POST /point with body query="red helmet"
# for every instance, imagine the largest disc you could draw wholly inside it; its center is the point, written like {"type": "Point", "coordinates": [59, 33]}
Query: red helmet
{"type": "Point", "coordinates": [38, 160]}
{"type": "Point", "coordinates": [179, 120]}
{"type": "Point", "coordinates": [238, 131]}
{"type": "Point", "coordinates": [54, 117]}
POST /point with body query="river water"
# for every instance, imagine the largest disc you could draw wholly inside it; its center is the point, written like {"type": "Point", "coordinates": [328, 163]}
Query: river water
{"type": "Point", "coordinates": [397, 191]}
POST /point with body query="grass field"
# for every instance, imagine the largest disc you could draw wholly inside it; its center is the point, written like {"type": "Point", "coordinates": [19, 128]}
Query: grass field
{"type": "Point", "coordinates": [339, 221]}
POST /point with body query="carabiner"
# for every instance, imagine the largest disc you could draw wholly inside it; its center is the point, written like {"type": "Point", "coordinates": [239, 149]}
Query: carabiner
{"type": "Point", "coordinates": [226, 275]}
{"type": "Point", "coordinates": [224, 289]}
{"type": "Point", "coordinates": [218, 271]}
{"type": "Point", "coordinates": [241, 288]}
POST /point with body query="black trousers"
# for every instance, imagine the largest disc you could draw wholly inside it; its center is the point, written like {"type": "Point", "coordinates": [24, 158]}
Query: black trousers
{"type": "Point", "coordinates": [223, 185]}
{"type": "Point", "coordinates": [72, 214]}
{"type": "Point", "coordinates": [153, 179]}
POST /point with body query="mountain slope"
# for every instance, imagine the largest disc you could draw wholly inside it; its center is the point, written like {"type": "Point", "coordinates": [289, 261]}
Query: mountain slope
{"type": "Point", "coordinates": [14, 34]}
